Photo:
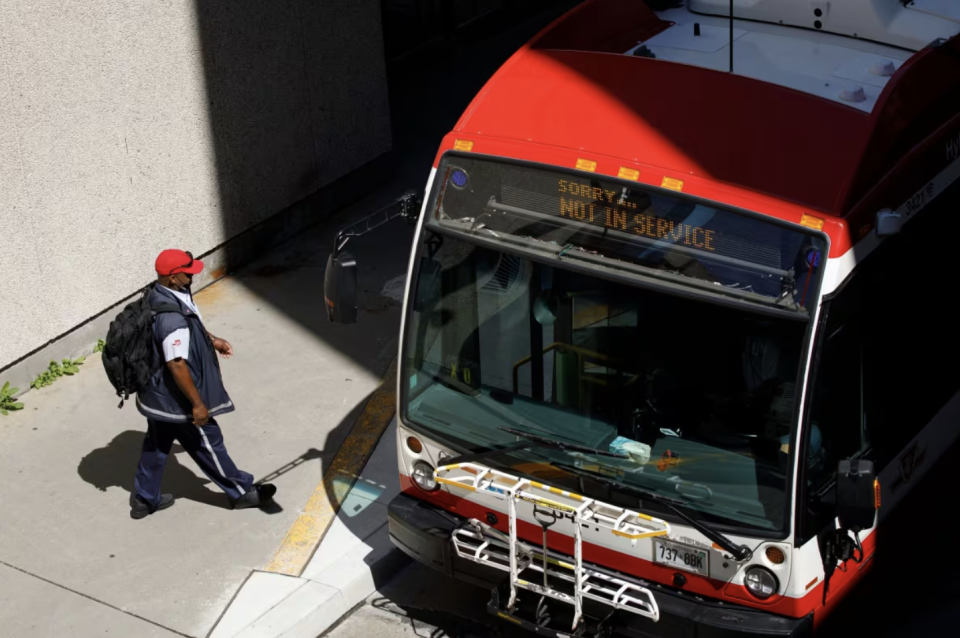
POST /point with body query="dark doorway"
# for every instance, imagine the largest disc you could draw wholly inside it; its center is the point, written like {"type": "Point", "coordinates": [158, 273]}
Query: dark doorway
{"type": "Point", "coordinates": [409, 26]}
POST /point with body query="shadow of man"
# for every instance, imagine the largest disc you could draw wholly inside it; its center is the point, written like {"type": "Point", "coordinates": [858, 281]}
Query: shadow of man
{"type": "Point", "coordinates": [114, 466]}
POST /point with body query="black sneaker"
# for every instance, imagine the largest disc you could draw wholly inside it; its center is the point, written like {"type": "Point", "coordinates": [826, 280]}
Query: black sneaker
{"type": "Point", "coordinates": [262, 495]}
{"type": "Point", "coordinates": [140, 509]}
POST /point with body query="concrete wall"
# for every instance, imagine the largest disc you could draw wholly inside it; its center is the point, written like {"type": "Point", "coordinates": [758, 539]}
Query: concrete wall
{"type": "Point", "coordinates": [127, 127]}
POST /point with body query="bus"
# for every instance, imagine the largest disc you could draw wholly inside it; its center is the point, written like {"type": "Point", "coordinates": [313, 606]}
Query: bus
{"type": "Point", "coordinates": [676, 336]}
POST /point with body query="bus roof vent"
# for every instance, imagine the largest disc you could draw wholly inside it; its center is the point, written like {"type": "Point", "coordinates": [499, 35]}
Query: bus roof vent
{"type": "Point", "coordinates": [910, 25]}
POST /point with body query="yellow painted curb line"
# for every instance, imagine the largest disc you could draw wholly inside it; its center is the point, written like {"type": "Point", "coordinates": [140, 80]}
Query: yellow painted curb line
{"type": "Point", "coordinates": [311, 526]}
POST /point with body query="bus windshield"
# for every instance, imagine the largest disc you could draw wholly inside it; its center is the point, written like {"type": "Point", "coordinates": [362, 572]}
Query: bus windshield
{"type": "Point", "coordinates": [631, 227]}
{"type": "Point", "coordinates": [698, 396]}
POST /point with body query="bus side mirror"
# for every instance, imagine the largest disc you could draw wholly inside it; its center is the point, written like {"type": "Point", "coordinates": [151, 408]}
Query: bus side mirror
{"type": "Point", "coordinates": [858, 494]}
{"type": "Point", "coordinates": [340, 288]}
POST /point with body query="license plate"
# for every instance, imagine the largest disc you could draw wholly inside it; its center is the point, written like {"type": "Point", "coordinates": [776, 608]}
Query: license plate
{"type": "Point", "coordinates": [681, 557]}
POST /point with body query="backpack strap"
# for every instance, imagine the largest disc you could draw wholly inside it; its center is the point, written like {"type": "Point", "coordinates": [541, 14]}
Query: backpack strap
{"type": "Point", "coordinates": [160, 309]}
{"type": "Point", "coordinates": [167, 307]}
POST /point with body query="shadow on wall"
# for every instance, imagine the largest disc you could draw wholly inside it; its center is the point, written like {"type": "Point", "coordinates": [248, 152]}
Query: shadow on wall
{"type": "Point", "coordinates": [298, 101]}
{"type": "Point", "coordinates": [297, 95]}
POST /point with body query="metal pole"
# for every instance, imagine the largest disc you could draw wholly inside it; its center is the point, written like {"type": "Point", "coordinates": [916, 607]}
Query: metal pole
{"type": "Point", "coordinates": [731, 36]}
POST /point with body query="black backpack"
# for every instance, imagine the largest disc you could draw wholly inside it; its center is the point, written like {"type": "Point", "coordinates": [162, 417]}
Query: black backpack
{"type": "Point", "coordinates": [128, 352]}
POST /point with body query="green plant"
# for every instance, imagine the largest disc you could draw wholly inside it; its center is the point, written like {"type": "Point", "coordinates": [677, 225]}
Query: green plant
{"type": "Point", "coordinates": [56, 370]}
{"type": "Point", "coordinates": [100, 344]}
{"type": "Point", "coordinates": [47, 377]}
{"type": "Point", "coordinates": [7, 399]}
{"type": "Point", "coordinates": [72, 367]}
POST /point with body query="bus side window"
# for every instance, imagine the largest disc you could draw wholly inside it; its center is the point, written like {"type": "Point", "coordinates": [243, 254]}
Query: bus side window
{"type": "Point", "coordinates": [837, 415]}
{"type": "Point", "coordinates": [889, 359]}
{"type": "Point", "coordinates": [836, 428]}
{"type": "Point", "coordinates": [912, 353]}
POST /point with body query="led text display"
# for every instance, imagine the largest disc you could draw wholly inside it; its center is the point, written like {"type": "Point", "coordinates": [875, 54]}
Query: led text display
{"type": "Point", "coordinates": [602, 207]}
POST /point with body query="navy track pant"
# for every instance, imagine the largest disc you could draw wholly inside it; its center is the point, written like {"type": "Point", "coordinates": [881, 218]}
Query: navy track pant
{"type": "Point", "coordinates": [203, 444]}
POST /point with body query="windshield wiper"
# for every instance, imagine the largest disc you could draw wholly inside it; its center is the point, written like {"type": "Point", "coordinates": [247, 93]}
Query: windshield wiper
{"type": "Point", "coordinates": [533, 440]}
{"type": "Point", "coordinates": [739, 552]}
{"type": "Point", "coordinates": [560, 445]}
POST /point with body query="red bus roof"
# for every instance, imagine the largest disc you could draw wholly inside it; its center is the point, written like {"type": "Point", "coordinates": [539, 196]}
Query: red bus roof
{"type": "Point", "coordinates": [681, 119]}
{"type": "Point", "coordinates": [573, 92]}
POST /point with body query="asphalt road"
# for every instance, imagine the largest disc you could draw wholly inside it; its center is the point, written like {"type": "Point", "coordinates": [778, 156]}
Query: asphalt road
{"type": "Point", "coordinates": [422, 602]}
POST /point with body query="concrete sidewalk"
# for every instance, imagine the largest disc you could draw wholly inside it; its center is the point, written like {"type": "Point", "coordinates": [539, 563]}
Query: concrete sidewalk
{"type": "Point", "coordinates": [74, 563]}
{"type": "Point", "coordinates": [355, 557]}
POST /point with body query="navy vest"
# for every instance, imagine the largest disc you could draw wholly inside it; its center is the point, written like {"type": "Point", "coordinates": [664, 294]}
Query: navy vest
{"type": "Point", "coordinates": [162, 400]}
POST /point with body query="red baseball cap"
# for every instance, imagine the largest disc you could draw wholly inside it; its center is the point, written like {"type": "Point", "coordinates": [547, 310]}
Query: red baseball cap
{"type": "Point", "coordinates": [170, 262]}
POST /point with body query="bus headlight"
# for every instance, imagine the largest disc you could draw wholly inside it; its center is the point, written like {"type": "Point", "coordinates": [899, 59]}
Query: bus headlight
{"type": "Point", "coordinates": [423, 476]}
{"type": "Point", "coordinates": [761, 582]}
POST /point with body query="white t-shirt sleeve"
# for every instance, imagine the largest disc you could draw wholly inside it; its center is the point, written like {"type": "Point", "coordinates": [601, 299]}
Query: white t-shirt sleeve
{"type": "Point", "coordinates": [177, 345]}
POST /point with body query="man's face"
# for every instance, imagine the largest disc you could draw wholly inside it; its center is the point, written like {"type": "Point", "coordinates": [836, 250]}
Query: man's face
{"type": "Point", "coordinates": [183, 280]}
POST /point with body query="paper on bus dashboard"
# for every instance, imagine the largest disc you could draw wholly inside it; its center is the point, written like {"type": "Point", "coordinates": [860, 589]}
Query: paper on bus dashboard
{"type": "Point", "coordinates": [638, 452]}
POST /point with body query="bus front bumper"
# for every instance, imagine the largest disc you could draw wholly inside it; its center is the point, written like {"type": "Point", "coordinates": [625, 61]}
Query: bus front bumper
{"type": "Point", "coordinates": [423, 531]}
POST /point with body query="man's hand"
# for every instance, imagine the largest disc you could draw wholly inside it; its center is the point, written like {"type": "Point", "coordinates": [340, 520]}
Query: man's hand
{"type": "Point", "coordinates": [200, 415]}
{"type": "Point", "coordinates": [223, 347]}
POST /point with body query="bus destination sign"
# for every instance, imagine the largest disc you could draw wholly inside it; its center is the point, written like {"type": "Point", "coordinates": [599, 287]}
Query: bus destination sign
{"type": "Point", "coordinates": [603, 207]}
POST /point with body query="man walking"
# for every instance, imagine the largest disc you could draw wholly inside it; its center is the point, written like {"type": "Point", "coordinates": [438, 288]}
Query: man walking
{"type": "Point", "coordinates": [185, 394]}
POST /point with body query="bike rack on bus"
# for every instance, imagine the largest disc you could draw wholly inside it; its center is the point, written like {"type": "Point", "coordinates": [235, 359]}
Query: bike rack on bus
{"type": "Point", "coordinates": [479, 542]}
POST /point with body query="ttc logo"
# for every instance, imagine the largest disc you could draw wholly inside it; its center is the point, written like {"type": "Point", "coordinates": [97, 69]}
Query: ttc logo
{"type": "Point", "coordinates": [909, 462]}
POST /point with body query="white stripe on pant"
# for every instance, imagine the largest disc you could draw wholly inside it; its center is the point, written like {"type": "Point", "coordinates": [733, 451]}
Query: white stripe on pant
{"type": "Point", "coordinates": [206, 444]}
